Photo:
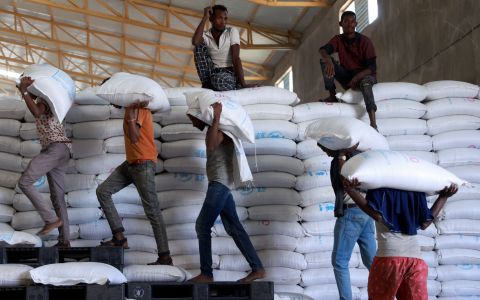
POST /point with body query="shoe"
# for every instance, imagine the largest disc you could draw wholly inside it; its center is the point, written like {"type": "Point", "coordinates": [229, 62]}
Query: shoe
{"type": "Point", "coordinates": [201, 279]}
{"type": "Point", "coordinates": [115, 243]}
{"type": "Point", "coordinates": [62, 245]}
{"type": "Point", "coordinates": [49, 227]}
{"type": "Point", "coordinates": [165, 260]}
{"type": "Point", "coordinates": [254, 275]}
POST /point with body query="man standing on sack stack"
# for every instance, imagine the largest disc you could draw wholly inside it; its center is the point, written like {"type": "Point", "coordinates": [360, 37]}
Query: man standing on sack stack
{"type": "Point", "coordinates": [139, 169]}
{"type": "Point", "coordinates": [52, 161]}
{"type": "Point", "coordinates": [217, 52]}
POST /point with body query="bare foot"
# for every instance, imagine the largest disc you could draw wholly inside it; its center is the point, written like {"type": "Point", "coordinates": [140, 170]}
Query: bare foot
{"type": "Point", "coordinates": [253, 276]}
{"type": "Point", "coordinates": [50, 226]}
{"type": "Point", "coordinates": [201, 279]}
{"type": "Point", "coordinates": [165, 260]}
{"type": "Point", "coordinates": [330, 99]}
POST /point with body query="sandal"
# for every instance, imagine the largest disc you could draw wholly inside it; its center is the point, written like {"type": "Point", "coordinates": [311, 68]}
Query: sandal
{"type": "Point", "coordinates": [115, 243]}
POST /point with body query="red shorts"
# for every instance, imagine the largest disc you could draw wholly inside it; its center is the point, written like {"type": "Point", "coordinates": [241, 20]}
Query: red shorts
{"type": "Point", "coordinates": [401, 277]}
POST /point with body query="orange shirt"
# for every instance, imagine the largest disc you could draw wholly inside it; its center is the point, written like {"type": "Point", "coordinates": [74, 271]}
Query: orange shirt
{"type": "Point", "coordinates": [144, 148]}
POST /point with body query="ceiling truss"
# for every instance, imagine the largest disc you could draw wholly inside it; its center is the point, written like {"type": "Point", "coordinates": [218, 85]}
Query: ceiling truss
{"type": "Point", "coordinates": [90, 53]}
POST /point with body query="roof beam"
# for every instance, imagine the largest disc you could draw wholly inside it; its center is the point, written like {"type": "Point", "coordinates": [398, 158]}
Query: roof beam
{"type": "Point", "coordinates": [291, 38]}
{"type": "Point", "coordinates": [282, 3]}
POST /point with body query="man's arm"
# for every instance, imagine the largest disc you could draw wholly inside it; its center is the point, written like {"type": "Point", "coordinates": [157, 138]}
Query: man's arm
{"type": "Point", "coordinates": [197, 38]}
{"type": "Point", "coordinates": [214, 136]}
{"type": "Point", "coordinates": [237, 64]}
{"type": "Point", "coordinates": [134, 123]}
{"type": "Point", "coordinates": [351, 189]}
{"type": "Point", "coordinates": [37, 109]}
{"type": "Point", "coordinates": [325, 53]}
{"type": "Point", "coordinates": [443, 196]}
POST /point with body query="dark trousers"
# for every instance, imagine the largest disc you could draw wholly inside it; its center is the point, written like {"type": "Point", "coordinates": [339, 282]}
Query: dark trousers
{"type": "Point", "coordinates": [219, 201]}
{"type": "Point", "coordinates": [143, 177]}
{"type": "Point", "coordinates": [217, 79]}
{"type": "Point", "coordinates": [344, 76]}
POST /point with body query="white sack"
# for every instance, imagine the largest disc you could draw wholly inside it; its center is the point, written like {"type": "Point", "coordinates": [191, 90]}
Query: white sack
{"type": "Point", "coordinates": [275, 129]}
{"type": "Point", "coordinates": [124, 89]}
{"type": "Point", "coordinates": [86, 113]}
{"type": "Point", "coordinates": [19, 239]}
{"type": "Point", "coordinates": [28, 131]}
{"type": "Point", "coordinates": [71, 273]}
{"type": "Point", "coordinates": [318, 212]}
{"type": "Point", "coordinates": [388, 90]}
{"type": "Point", "coordinates": [454, 241]}
{"type": "Point", "coordinates": [12, 108]}
{"type": "Point", "coordinates": [275, 163]}
{"type": "Point", "coordinates": [30, 148]}
{"type": "Point", "coordinates": [457, 288]}
{"type": "Point", "coordinates": [374, 170]}
{"type": "Point", "coordinates": [453, 106]}
{"type": "Point", "coordinates": [54, 86]}
{"type": "Point", "coordinates": [263, 95]}
{"type": "Point", "coordinates": [174, 198]}
{"type": "Point", "coordinates": [285, 213]}
{"type": "Point", "coordinates": [14, 275]}
{"type": "Point", "coordinates": [399, 126]}
{"type": "Point", "coordinates": [154, 274]}
{"type": "Point", "coordinates": [469, 173]}
{"type": "Point", "coordinates": [319, 227]}
{"type": "Point", "coordinates": [115, 144]}
{"type": "Point", "coordinates": [253, 196]}
{"type": "Point", "coordinates": [465, 209]}
{"type": "Point", "coordinates": [292, 229]}
{"type": "Point", "coordinates": [269, 112]}
{"type": "Point", "coordinates": [9, 179]}
{"type": "Point", "coordinates": [99, 130]}
{"type": "Point", "coordinates": [176, 95]}
{"type": "Point", "coordinates": [98, 164]}
{"type": "Point", "coordinates": [178, 132]}
{"type": "Point", "coordinates": [431, 157]}
{"type": "Point", "coordinates": [88, 97]}
{"type": "Point", "coordinates": [410, 142]}
{"type": "Point", "coordinates": [193, 165]}
{"type": "Point", "coordinates": [87, 148]}
{"type": "Point", "coordinates": [400, 108]}
{"type": "Point", "coordinates": [308, 149]}
{"type": "Point", "coordinates": [6, 196]}
{"type": "Point", "coordinates": [456, 139]}
{"type": "Point", "coordinates": [456, 226]}
{"type": "Point", "coordinates": [317, 195]}
{"type": "Point", "coordinates": [316, 163]}
{"type": "Point", "coordinates": [459, 256]}
{"type": "Point", "coordinates": [273, 146]}
{"type": "Point", "coordinates": [181, 181]}
{"type": "Point", "coordinates": [450, 88]}
{"type": "Point", "coordinates": [190, 147]}
{"type": "Point", "coordinates": [233, 119]}
{"type": "Point", "coordinates": [318, 110]}
{"type": "Point", "coordinates": [452, 123]}
{"type": "Point", "coordinates": [311, 180]}
{"type": "Point", "coordinates": [458, 272]}
{"type": "Point", "coordinates": [274, 179]}
{"type": "Point", "coordinates": [10, 127]}
{"type": "Point", "coordinates": [10, 144]}
{"type": "Point", "coordinates": [458, 156]}
{"type": "Point", "coordinates": [176, 115]}
{"type": "Point", "coordinates": [343, 133]}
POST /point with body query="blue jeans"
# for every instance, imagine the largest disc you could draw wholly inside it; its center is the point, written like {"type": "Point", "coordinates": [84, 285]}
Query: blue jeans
{"type": "Point", "coordinates": [354, 227]}
{"type": "Point", "coordinates": [219, 201]}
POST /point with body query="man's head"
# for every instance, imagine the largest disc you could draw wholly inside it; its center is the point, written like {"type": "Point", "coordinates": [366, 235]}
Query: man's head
{"type": "Point", "coordinates": [196, 122]}
{"type": "Point", "coordinates": [348, 22]}
{"type": "Point", "coordinates": [219, 17]}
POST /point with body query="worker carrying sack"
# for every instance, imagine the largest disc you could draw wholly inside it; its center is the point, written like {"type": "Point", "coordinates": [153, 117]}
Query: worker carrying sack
{"type": "Point", "coordinates": [343, 133]}
{"type": "Point", "coordinates": [390, 169]}
{"type": "Point", "coordinates": [234, 122]}
{"type": "Point", "coordinates": [53, 85]}
{"type": "Point", "coordinates": [124, 89]}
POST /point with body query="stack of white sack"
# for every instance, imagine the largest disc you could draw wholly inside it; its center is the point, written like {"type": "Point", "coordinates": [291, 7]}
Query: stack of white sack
{"type": "Point", "coordinates": [399, 116]}
{"type": "Point", "coordinates": [453, 120]}
{"type": "Point", "coordinates": [318, 201]}
{"type": "Point", "coordinates": [12, 164]}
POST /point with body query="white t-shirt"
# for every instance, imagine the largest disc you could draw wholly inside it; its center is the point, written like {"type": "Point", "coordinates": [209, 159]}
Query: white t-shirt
{"type": "Point", "coordinates": [221, 54]}
{"type": "Point", "coordinates": [392, 244]}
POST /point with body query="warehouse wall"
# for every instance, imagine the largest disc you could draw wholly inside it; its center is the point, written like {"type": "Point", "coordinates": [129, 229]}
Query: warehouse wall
{"type": "Point", "coordinates": [416, 41]}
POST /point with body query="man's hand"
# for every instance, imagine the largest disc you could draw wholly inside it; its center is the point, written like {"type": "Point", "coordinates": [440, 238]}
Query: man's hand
{"type": "Point", "coordinates": [329, 68]}
{"type": "Point", "coordinates": [131, 110]}
{"type": "Point", "coordinates": [350, 185]}
{"type": "Point", "coordinates": [25, 82]}
{"type": "Point", "coordinates": [217, 110]}
{"type": "Point", "coordinates": [449, 191]}
{"type": "Point", "coordinates": [207, 12]}
{"type": "Point", "coordinates": [354, 82]}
